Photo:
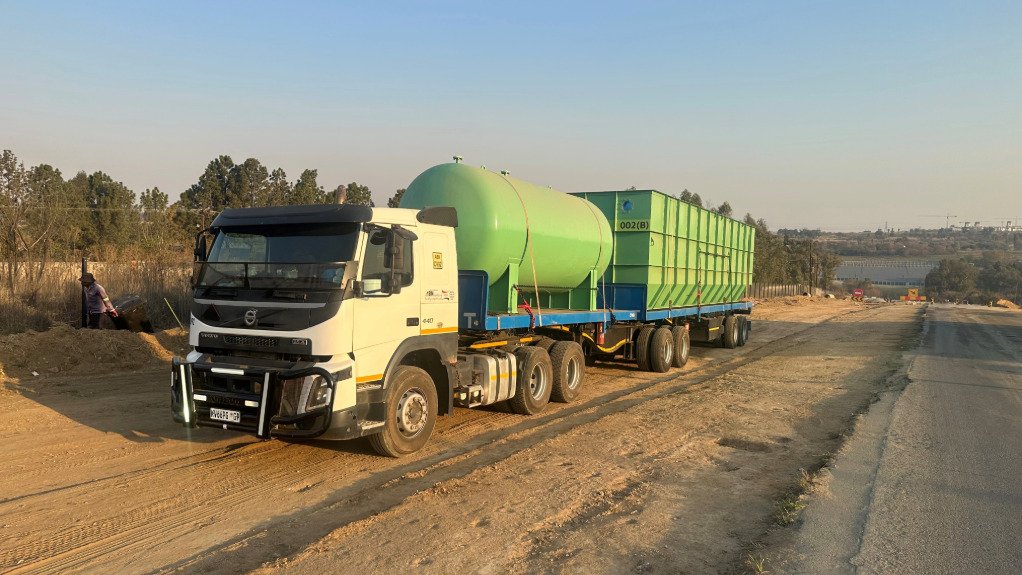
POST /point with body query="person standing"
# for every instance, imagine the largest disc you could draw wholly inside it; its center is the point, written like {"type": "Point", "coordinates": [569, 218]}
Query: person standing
{"type": "Point", "coordinates": [96, 301]}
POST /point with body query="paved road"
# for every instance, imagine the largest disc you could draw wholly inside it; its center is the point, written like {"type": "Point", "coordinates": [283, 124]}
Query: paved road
{"type": "Point", "coordinates": [931, 482]}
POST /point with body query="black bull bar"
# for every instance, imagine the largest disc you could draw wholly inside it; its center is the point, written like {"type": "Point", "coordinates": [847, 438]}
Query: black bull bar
{"type": "Point", "coordinates": [259, 411]}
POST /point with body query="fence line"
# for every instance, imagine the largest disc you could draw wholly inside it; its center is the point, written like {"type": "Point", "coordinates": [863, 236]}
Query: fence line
{"type": "Point", "coordinates": [762, 291]}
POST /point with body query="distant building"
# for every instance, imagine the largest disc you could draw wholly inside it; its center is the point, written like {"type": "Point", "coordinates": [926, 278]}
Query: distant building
{"type": "Point", "coordinates": [888, 272]}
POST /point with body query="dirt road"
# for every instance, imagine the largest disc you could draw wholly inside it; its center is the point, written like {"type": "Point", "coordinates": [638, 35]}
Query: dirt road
{"type": "Point", "coordinates": [644, 472]}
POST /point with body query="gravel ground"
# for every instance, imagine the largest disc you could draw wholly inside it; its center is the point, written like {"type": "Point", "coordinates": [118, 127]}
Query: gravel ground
{"type": "Point", "coordinates": [683, 472]}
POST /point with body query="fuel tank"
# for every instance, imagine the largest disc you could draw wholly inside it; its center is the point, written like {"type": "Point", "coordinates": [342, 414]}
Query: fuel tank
{"type": "Point", "coordinates": [509, 225]}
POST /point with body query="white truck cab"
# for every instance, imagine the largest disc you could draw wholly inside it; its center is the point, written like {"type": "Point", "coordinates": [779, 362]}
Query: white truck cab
{"type": "Point", "coordinates": [331, 321]}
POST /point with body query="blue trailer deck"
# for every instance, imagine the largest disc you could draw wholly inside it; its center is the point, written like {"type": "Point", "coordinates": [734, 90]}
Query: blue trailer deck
{"type": "Point", "coordinates": [617, 303]}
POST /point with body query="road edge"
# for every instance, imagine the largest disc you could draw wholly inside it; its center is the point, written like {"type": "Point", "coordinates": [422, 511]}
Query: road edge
{"type": "Point", "coordinates": [828, 535]}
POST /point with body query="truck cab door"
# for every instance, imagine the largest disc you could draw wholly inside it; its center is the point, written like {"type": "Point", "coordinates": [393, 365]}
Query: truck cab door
{"type": "Point", "coordinates": [386, 306]}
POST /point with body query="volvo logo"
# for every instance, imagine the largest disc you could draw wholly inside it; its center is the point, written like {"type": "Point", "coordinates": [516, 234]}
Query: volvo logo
{"type": "Point", "coordinates": [250, 317]}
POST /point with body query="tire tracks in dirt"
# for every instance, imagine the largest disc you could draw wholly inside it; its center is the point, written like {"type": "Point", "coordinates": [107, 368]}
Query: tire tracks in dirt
{"type": "Point", "coordinates": [236, 476]}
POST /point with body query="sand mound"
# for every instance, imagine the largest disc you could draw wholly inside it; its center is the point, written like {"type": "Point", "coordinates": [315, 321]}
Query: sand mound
{"type": "Point", "coordinates": [781, 301]}
{"type": "Point", "coordinates": [1007, 303]}
{"type": "Point", "coordinates": [63, 350]}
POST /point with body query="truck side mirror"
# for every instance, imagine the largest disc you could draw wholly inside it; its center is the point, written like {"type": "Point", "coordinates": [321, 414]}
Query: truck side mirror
{"type": "Point", "coordinates": [200, 246]}
{"type": "Point", "coordinates": [395, 258]}
{"type": "Point", "coordinates": [396, 251]}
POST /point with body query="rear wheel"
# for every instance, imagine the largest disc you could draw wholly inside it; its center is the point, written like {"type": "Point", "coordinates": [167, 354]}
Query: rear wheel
{"type": "Point", "coordinates": [731, 332]}
{"type": "Point", "coordinates": [748, 328]}
{"type": "Point", "coordinates": [534, 383]}
{"type": "Point", "coordinates": [411, 405]}
{"type": "Point", "coordinates": [682, 345]}
{"type": "Point", "coordinates": [661, 350]}
{"type": "Point", "coordinates": [743, 330]}
{"type": "Point", "coordinates": [569, 370]}
{"type": "Point", "coordinates": [545, 343]}
{"type": "Point", "coordinates": [642, 346]}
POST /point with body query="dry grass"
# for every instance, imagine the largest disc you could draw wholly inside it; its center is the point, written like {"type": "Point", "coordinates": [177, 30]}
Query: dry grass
{"type": "Point", "coordinates": [789, 508]}
{"type": "Point", "coordinates": [55, 298]}
{"type": "Point", "coordinates": [756, 564]}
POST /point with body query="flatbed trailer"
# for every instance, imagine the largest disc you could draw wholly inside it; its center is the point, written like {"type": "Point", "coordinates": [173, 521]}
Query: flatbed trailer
{"type": "Point", "coordinates": [474, 307]}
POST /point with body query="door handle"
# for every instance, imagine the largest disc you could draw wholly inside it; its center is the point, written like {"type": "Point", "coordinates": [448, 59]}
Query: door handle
{"type": "Point", "coordinates": [412, 321]}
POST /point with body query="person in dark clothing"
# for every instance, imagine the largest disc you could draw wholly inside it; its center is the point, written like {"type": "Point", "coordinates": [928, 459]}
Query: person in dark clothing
{"type": "Point", "coordinates": [96, 301]}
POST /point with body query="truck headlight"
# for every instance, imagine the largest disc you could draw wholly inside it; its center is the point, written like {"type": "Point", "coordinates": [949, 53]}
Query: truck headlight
{"type": "Point", "coordinates": [320, 392]}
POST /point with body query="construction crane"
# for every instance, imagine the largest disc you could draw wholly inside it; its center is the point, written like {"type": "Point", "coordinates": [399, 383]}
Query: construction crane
{"type": "Point", "coordinates": [947, 218]}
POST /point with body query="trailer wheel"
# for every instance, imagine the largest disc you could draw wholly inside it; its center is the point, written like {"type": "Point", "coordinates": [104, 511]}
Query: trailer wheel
{"type": "Point", "coordinates": [743, 330]}
{"type": "Point", "coordinates": [411, 405]}
{"type": "Point", "coordinates": [682, 345]}
{"type": "Point", "coordinates": [661, 350]}
{"type": "Point", "coordinates": [748, 329]}
{"type": "Point", "coordinates": [534, 382]}
{"type": "Point", "coordinates": [642, 346]}
{"type": "Point", "coordinates": [730, 338]}
{"type": "Point", "coordinates": [569, 370]}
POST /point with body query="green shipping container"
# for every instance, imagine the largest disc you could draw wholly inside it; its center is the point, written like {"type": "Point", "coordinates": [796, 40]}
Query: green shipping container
{"type": "Point", "coordinates": [685, 254]}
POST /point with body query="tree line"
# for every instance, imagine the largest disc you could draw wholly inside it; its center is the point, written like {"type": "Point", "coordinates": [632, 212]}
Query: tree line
{"type": "Point", "coordinates": [45, 217]}
{"type": "Point", "coordinates": [923, 243]}
{"type": "Point", "coordinates": [988, 278]}
{"type": "Point", "coordinates": [790, 257]}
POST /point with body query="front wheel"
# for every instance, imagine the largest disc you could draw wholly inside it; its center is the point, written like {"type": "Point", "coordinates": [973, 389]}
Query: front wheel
{"type": "Point", "coordinates": [411, 407]}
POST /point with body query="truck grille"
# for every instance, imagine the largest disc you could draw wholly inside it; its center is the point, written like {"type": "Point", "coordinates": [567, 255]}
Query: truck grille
{"type": "Point", "coordinates": [250, 341]}
{"type": "Point", "coordinates": [206, 381]}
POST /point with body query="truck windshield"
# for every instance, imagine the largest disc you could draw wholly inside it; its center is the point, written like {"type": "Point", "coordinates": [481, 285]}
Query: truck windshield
{"type": "Point", "coordinates": [289, 257]}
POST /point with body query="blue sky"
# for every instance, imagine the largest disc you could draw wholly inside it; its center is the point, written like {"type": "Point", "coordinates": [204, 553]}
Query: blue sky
{"type": "Point", "coordinates": [818, 114]}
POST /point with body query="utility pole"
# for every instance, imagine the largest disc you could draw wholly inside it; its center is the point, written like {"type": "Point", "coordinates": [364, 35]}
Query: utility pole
{"type": "Point", "coordinates": [812, 275]}
{"type": "Point", "coordinates": [85, 312]}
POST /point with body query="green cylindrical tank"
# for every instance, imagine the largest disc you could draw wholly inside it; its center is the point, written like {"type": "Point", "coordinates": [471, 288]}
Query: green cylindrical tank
{"type": "Point", "coordinates": [499, 216]}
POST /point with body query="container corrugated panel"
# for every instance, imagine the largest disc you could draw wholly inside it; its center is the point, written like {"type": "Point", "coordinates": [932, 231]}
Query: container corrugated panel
{"type": "Point", "coordinates": [685, 254]}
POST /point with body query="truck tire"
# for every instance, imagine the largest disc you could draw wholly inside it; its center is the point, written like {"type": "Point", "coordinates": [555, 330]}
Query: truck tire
{"type": "Point", "coordinates": [411, 405]}
{"type": "Point", "coordinates": [661, 350]}
{"type": "Point", "coordinates": [743, 330]}
{"type": "Point", "coordinates": [642, 346]}
{"type": "Point", "coordinates": [569, 368]}
{"type": "Point", "coordinates": [682, 345]}
{"type": "Point", "coordinates": [748, 329]}
{"type": "Point", "coordinates": [534, 382]}
{"type": "Point", "coordinates": [731, 332]}
{"type": "Point", "coordinates": [545, 343]}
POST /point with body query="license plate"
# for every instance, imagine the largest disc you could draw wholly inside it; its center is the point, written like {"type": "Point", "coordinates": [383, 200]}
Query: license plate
{"type": "Point", "coordinates": [225, 415]}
